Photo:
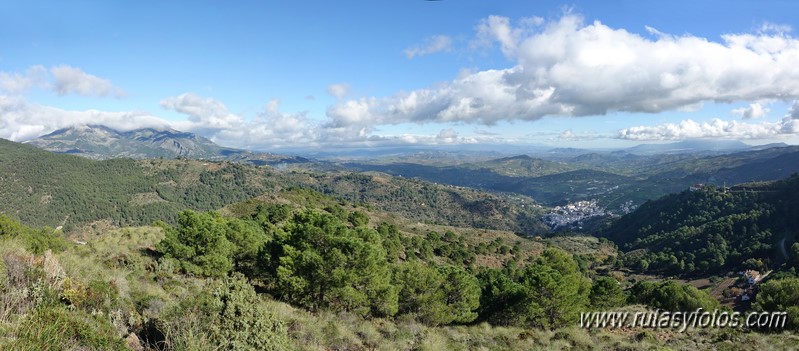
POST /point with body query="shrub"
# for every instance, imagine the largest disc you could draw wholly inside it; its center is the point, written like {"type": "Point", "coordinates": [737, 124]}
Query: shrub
{"type": "Point", "coordinates": [226, 315]}
{"type": "Point", "coordinates": [56, 328]}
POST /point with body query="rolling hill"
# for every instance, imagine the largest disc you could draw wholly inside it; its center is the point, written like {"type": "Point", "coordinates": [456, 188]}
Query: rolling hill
{"type": "Point", "coordinates": [711, 229]}
{"type": "Point", "coordinates": [45, 188]}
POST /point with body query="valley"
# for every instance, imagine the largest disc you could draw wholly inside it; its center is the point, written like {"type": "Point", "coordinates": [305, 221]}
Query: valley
{"type": "Point", "coordinates": [490, 224]}
{"type": "Point", "coordinates": [420, 175]}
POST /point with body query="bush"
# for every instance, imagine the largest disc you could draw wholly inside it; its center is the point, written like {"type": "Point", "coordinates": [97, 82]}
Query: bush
{"type": "Point", "coordinates": [199, 244]}
{"type": "Point", "coordinates": [320, 262]}
{"type": "Point", "coordinates": [671, 296]}
{"type": "Point", "coordinates": [437, 296]}
{"type": "Point", "coordinates": [780, 295]}
{"type": "Point", "coordinates": [606, 293]}
{"type": "Point", "coordinates": [226, 315]}
{"type": "Point", "coordinates": [56, 328]}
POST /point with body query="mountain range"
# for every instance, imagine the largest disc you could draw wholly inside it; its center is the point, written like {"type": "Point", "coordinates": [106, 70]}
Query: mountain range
{"type": "Point", "coordinates": [101, 142]}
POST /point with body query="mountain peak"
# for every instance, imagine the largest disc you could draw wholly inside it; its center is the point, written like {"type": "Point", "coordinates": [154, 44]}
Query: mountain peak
{"type": "Point", "coordinates": [102, 142]}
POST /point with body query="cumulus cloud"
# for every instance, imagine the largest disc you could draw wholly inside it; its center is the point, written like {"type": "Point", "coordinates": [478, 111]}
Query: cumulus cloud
{"type": "Point", "coordinates": [71, 80]}
{"type": "Point", "coordinates": [338, 91]}
{"type": "Point", "coordinates": [447, 136]}
{"type": "Point", "coordinates": [268, 129]}
{"type": "Point", "coordinates": [436, 43]}
{"type": "Point", "coordinates": [271, 128]}
{"type": "Point", "coordinates": [567, 67]}
{"type": "Point", "coordinates": [768, 27]}
{"type": "Point", "coordinates": [754, 110]}
{"type": "Point", "coordinates": [204, 114]}
{"type": "Point", "coordinates": [19, 83]}
{"type": "Point", "coordinates": [567, 134]}
{"type": "Point", "coordinates": [794, 111]}
{"type": "Point", "coordinates": [500, 30]}
{"type": "Point", "coordinates": [21, 120]}
{"type": "Point", "coordinates": [570, 135]}
{"type": "Point", "coordinates": [715, 129]}
{"type": "Point", "coordinates": [62, 80]}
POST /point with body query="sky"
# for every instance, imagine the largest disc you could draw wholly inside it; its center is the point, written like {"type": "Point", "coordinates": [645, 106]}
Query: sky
{"type": "Point", "coordinates": [269, 75]}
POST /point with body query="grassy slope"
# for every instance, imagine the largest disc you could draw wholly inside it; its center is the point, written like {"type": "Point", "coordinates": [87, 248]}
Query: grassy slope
{"type": "Point", "coordinates": [142, 290]}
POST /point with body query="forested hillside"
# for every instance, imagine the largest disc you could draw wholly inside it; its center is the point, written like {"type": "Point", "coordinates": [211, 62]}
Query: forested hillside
{"type": "Point", "coordinates": [43, 188]}
{"type": "Point", "coordinates": [711, 229]}
{"type": "Point", "coordinates": [614, 179]}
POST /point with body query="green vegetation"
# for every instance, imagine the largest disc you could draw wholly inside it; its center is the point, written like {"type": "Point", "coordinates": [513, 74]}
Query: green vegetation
{"type": "Point", "coordinates": [606, 293]}
{"type": "Point", "coordinates": [780, 295]}
{"type": "Point", "coordinates": [671, 296]}
{"type": "Point", "coordinates": [225, 315]}
{"type": "Point", "coordinates": [318, 262]}
{"type": "Point", "coordinates": [36, 240]}
{"type": "Point", "coordinates": [42, 188]}
{"type": "Point", "coordinates": [712, 229]}
{"type": "Point", "coordinates": [612, 178]}
{"type": "Point", "coordinates": [303, 260]}
{"type": "Point", "coordinates": [548, 293]}
{"type": "Point", "coordinates": [348, 285]}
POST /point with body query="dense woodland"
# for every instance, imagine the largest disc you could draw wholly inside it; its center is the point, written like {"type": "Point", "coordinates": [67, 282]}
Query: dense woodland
{"type": "Point", "coordinates": [713, 229]}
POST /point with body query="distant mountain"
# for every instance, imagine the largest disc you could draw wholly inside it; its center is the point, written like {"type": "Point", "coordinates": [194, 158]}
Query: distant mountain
{"type": "Point", "coordinates": [768, 146]}
{"type": "Point", "coordinates": [687, 146]}
{"type": "Point", "coordinates": [409, 152]}
{"type": "Point", "coordinates": [101, 142]}
{"type": "Point", "coordinates": [521, 166]}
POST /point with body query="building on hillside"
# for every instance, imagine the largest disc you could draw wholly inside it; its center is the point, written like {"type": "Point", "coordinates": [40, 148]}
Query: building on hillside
{"type": "Point", "coordinates": [697, 186]}
{"type": "Point", "coordinates": [752, 276]}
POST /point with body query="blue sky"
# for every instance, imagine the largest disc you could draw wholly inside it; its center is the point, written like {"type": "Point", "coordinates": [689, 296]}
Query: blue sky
{"type": "Point", "coordinates": [312, 74]}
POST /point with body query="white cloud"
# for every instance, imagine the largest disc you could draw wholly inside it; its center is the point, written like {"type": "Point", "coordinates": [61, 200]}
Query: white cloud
{"type": "Point", "coordinates": [569, 68]}
{"type": "Point", "coordinates": [338, 91]}
{"type": "Point", "coordinates": [570, 135]}
{"type": "Point", "coordinates": [62, 80]}
{"type": "Point", "coordinates": [21, 120]}
{"type": "Point", "coordinates": [273, 128]}
{"type": "Point", "coordinates": [715, 129]}
{"type": "Point", "coordinates": [447, 136]}
{"type": "Point", "coordinates": [567, 134]}
{"type": "Point", "coordinates": [71, 80]}
{"type": "Point", "coordinates": [269, 129]}
{"type": "Point", "coordinates": [205, 114]}
{"type": "Point", "coordinates": [16, 83]}
{"type": "Point", "coordinates": [499, 29]}
{"type": "Point", "coordinates": [436, 43]}
{"type": "Point", "coordinates": [768, 27]}
{"type": "Point", "coordinates": [754, 110]}
{"type": "Point", "coordinates": [794, 111]}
